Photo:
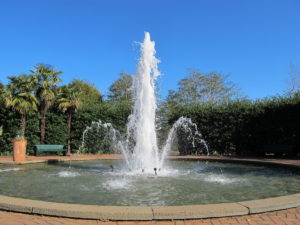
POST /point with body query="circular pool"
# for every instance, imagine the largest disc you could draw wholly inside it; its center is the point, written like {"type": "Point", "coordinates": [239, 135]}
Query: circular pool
{"type": "Point", "coordinates": [181, 183]}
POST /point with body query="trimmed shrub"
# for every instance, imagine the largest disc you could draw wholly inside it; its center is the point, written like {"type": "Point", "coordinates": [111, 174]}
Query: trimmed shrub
{"type": "Point", "coordinates": [244, 127]}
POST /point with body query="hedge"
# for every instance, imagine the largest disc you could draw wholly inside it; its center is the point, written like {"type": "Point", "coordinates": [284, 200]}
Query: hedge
{"type": "Point", "coordinates": [56, 128]}
{"type": "Point", "coordinates": [235, 128]}
{"type": "Point", "coordinates": [244, 127]}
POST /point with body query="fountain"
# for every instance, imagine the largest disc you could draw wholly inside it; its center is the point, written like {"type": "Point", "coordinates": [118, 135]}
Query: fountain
{"type": "Point", "coordinates": [140, 149]}
{"type": "Point", "coordinates": [141, 125]}
{"type": "Point", "coordinates": [144, 178]}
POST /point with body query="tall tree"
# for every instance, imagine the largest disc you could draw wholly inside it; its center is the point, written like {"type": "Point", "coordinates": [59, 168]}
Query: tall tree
{"type": "Point", "coordinates": [120, 90]}
{"type": "Point", "coordinates": [89, 93]}
{"type": "Point", "coordinates": [19, 96]}
{"type": "Point", "coordinates": [69, 101]}
{"type": "Point", "coordinates": [1, 86]}
{"type": "Point", "coordinates": [293, 79]}
{"type": "Point", "coordinates": [203, 88]}
{"type": "Point", "coordinates": [48, 78]}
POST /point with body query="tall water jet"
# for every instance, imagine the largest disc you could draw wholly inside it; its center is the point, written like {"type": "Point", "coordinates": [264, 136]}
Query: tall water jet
{"type": "Point", "coordinates": [140, 149]}
{"type": "Point", "coordinates": [141, 125]}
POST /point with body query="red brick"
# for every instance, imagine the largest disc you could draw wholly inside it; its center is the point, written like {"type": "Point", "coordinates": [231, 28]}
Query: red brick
{"type": "Point", "coordinates": [228, 220]}
{"type": "Point", "coordinates": [216, 222]}
{"type": "Point", "coordinates": [252, 222]}
{"type": "Point", "coordinates": [179, 222]}
{"type": "Point", "coordinates": [163, 223]}
{"type": "Point", "coordinates": [129, 223]}
{"type": "Point", "coordinates": [201, 223]}
{"type": "Point", "coordinates": [291, 216]}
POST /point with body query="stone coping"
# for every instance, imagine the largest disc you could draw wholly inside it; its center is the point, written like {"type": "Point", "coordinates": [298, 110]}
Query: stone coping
{"type": "Point", "coordinates": [144, 213]}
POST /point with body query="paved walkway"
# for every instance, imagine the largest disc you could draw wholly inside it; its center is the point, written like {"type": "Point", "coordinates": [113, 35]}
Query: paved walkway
{"type": "Point", "coordinates": [286, 217]}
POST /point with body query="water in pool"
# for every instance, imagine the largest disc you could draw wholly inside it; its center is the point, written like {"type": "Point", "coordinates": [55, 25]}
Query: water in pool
{"type": "Point", "coordinates": [188, 182]}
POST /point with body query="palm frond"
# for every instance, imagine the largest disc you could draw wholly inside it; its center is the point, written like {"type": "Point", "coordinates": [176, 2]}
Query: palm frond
{"type": "Point", "coordinates": [19, 94]}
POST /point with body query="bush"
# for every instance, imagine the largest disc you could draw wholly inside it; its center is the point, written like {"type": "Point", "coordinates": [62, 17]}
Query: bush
{"type": "Point", "coordinates": [244, 127]}
{"type": "Point", "coordinates": [236, 128]}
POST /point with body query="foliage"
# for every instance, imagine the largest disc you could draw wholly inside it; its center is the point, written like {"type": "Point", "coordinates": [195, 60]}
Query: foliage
{"type": "Point", "coordinates": [89, 94]}
{"type": "Point", "coordinates": [120, 90]}
{"type": "Point", "coordinates": [56, 130]}
{"type": "Point", "coordinates": [19, 96]}
{"type": "Point", "coordinates": [243, 127]}
{"type": "Point", "coordinates": [294, 79]}
{"type": "Point", "coordinates": [9, 121]}
{"type": "Point", "coordinates": [189, 141]}
{"type": "Point", "coordinates": [230, 125]}
{"type": "Point", "coordinates": [203, 88]}
{"type": "Point", "coordinates": [100, 138]}
{"type": "Point", "coordinates": [69, 100]}
{"type": "Point", "coordinates": [106, 112]}
{"type": "Point", "coordinates": [48, 78]}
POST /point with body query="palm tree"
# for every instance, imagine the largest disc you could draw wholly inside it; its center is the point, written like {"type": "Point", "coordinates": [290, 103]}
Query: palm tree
{"type": "Point", "coordinates": [19, 96]}
{"type": "Point", "coordinates": [69, 101]}
{"type": "Point", "coordinates": [48, 78]}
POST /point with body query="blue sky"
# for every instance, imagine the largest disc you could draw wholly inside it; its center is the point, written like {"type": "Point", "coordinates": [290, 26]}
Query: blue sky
{"type": "Point", "coordinates": [254, 41]}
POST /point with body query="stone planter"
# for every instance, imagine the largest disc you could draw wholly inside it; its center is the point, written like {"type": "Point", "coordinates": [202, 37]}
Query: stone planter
{"type": "Point", "coordinates": [19, 150]}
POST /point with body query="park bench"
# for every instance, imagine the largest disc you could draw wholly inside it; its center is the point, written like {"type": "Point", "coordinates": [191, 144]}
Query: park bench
{"type": "Point", "coordinates": [49, 148]}
{"type": "Point", "coordinates": [278, 149]}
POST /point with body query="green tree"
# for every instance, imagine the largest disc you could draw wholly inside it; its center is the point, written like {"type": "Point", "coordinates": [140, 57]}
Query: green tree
{"type": "Point", "coordinates": [19, 96]}
{"type": "Point", "coordinates": [48, 78]}
{"type": "Point", "coordinates": [120, 90]}
{"type": "Point", "coordinates": [1, 91]}
{"type": "Point", "coordinates": [89, 93]}
{"type": "Point", "coordinates": [1, 86]}
{"type": "Point", "coordinates": [203, 88]}
{"type": "Point", "coordinates": [69, 101]}
{"type": "Point", "coordinates": [293, 79]}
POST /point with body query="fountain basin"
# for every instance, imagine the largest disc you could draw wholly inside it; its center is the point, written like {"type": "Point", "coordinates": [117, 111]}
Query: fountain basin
{"type": "Point", "coordinates": [150, 212]}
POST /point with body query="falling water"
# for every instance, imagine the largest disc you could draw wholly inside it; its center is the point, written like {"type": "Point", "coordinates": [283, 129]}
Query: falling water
{"type": "Point", "coordinates": [191, 131]}
{"type": "Point", "coordinates": [141, 126]}
{"type": "Point", "coordinates": [103, 135]}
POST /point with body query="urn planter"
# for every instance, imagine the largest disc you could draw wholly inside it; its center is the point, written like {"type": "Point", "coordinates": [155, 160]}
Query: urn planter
{"type": "Point", "coordinates": [19, 150]}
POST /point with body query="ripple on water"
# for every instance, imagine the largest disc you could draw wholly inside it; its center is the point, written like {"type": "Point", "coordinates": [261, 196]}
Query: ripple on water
{"type": "Point", "coordinates": [221, 179]}
{"type": "Point", "coordinates": [189, 183]}
{"type": "Point", "coordinates": [150, 174]}
{"type": "Point", "coordinates": [10, 169]}
{"type": "Point", "coordinates": [114, 184]}
{"type": "Point", "coordinates": [67, 174]}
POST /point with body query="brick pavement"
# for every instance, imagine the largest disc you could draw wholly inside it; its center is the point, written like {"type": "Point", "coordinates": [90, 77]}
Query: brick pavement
{"type": "Point", "coordinates": [282, 217]}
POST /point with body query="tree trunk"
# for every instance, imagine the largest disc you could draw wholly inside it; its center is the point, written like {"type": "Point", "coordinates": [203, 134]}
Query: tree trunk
{"type": "Point", "coordinates": [69, 132]}
{"type": "Point", "coordinates": [22, 125]}
{"type": "Point", "coordinates": [42, 126]}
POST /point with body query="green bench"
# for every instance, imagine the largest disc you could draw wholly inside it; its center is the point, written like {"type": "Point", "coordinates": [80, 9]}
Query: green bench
{"type": "Point", "coordinates": [49, 148]}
